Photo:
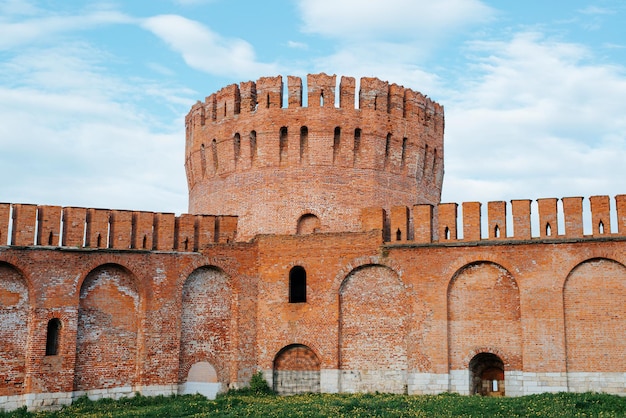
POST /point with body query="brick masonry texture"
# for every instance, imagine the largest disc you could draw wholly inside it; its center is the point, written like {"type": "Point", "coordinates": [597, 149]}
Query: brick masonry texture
{"type": "Point", "coordinates": [403, 293]}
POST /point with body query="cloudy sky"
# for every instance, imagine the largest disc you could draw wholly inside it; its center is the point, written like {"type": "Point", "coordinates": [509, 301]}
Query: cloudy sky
{"type": "Point", "coordinates": [93, 94]}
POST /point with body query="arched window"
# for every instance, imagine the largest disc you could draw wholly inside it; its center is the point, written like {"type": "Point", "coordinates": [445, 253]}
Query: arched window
{"type": "Point", "coordinates": [282, 144]}
{"type": "Point", "coordinates": [52, 337]}
{"type": "Point", "coordinates": [297, 285]}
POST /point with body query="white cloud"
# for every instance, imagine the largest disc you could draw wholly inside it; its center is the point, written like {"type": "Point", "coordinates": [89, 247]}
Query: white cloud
{"type": "Point", "coordinates": [206, 50]}
{"type": "Point", "coordinates": [14, 34]}
{"type": "Point", "coordinates": [297, 45]}
{"type": "Point", "coordinates": [412, 19]}
{"type": "Point", "coordinates": [75, 135]}
{"type": "Point", "coordinates": [538, 118]}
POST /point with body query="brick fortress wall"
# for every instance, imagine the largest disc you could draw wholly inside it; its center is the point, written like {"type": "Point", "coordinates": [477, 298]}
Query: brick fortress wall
{"type": "Point", "coordinates": [394, 293]}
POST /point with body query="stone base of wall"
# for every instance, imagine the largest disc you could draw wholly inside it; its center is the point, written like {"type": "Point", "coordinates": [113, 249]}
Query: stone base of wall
{"type": "Point", "coordinates": [57, 400]}
{"type": "Point", "coordinates": [597, 382]}
{"type": "Point", "coordinates": [363, 381]}
{"type": "Point", "coordinates": [36, 401]}
{"type": "Point", "coordinates": [459, 381]}
{"type": "Point", "coordinates": [427, 383]}
{"type": "Point", "coordinates": [534, 383]}
{"type": "Point", "coordinates": [329, 381]}
{"type": "Point", "coordinates": [210, 390]}
{"type": "Point", "coordinates": [516, 383]}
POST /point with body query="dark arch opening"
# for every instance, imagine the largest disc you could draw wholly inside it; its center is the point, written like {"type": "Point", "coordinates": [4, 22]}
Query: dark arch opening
{"type": "Point", "coordinates": [52, 337]}
{"type": "Point", "coordinates": [297, 285]}
{"type": "Point", "coordinates": [486, 375]}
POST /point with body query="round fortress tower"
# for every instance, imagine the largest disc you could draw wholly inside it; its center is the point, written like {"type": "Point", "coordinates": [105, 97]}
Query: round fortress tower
{"type": "Point", "coordinates": [296, 169]}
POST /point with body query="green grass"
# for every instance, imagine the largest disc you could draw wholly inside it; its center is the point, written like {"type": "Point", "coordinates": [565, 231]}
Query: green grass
{"type": "Point", "coordinates": [250, 404]}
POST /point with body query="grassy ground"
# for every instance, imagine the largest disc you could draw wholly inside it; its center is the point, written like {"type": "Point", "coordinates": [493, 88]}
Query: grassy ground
{"type": "Point", "coordinates": [250, 404]}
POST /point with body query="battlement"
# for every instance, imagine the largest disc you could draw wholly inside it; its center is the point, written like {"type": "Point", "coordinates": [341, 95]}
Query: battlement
{"type": "Point", "coordinates": [270, 161]}
{"type": "Point", "coordinates": [245, 126]}
{"type": "Point", "coordinates": [554, 219]}
{"type": "Point", "coordinates": [28, 225]}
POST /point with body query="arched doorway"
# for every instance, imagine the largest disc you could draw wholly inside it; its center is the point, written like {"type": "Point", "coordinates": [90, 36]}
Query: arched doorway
{"type": "Point", "coordinates": [296, 370]}
{"type": "Point", "coordinates": [486, 375]}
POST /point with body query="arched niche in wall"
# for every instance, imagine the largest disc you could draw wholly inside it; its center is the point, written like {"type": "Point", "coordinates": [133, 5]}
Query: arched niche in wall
{"type": "Point", "coordinates": [308, 224]}
{"type": "Point", "coordinates": [14, 328]}
{"type": "Point", "coordinates": [107, 338]}
{"type": "Point", "coordinates": [206, 325]}
{"type": "Point", "coordinates": [594, 302]}
{"type": "Point", "coordinates": [373, 317]}
{"type": "Point", "coordinates": [483, 311]}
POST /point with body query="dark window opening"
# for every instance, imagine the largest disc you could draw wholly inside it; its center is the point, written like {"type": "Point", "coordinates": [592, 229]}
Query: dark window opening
{"type": "Point", "coordinates": [252, 145]}
{"type": "Point", "coordinates": [297, 285]}
{"type": "Point", "coordinates": [50, 238]}
{"type": "Point", "coordinates": [304, 142]}
{"type": "Point", "coordinates": [203, 159]}
{"type": "Point", "coordinates": [357, 144]}
{"type": "Point", "coordinates": [387, 148]}
{"type": "Point", "coordinates": [336, 142]}
{"type": "Point", "coordinates": [446, 233]}
{"type": "Point", "coordinates": [398, 235]}
{"type": "Point", "coordinates": [424, 160]}
{"type": "Point", "coordinates": [283, 144]}
{"type": "Point", "coordinates": [403, 157]}
{"type": "Point", "coordinates": [52, 337]}
{"type": "Point", "coordinates": [145, 242]}
{"type": "Point", "coordinates": [237, 147]}
{"type": "Point", "coordinates": [214, 151]}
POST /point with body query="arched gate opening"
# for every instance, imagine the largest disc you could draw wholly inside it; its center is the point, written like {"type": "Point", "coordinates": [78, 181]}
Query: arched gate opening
{"type": "Point", "coordinates": [486, 375]}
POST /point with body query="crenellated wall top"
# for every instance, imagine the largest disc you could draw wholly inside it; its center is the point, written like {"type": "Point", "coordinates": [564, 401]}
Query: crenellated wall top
{"type": "Point", "coordinates": [544, 219]}
{"type": "Point", "coordinates": [267, 93]}
{"type": "Point", "coordinates": [76, 227]}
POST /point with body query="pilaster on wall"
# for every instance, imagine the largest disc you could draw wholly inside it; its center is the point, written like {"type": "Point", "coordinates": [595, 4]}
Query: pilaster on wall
{"type": "Point", "coordinates": [425, 224]}
{"type": "Point", "coordinates": [114, 229]}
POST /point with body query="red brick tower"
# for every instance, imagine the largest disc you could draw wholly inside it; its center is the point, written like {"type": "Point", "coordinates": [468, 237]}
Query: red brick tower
{"type": "Point", "coordinates": [297, 169]}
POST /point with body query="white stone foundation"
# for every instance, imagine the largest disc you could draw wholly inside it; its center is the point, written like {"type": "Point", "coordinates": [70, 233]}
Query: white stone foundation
{"type": "Point", "coordinates": [329, 381]}
{"type": "Point", "coordinates": [460, 381]}
{"type": "Point", "coordinates": [210, 390]}
{"type": "Point", "coordinates": [614, 383]}
{"type": "Point", "coordinates": [427, 383]}
{"type": "Point", "coordinates": [364, 381]}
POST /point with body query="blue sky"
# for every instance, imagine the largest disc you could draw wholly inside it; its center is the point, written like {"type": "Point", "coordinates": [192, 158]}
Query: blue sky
{"type": "Point", "coordinates": [93, 94]}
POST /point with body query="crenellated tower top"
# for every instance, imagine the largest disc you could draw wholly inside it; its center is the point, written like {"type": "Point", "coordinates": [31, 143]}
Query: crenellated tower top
{"type": "Point", "coordinates": [290, 168]}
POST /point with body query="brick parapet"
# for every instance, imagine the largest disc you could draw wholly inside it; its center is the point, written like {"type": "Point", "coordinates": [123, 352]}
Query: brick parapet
{"type": "Point", "coordinates": [32, 225]}
{"type": "Point", "coordinates": [423, 219]}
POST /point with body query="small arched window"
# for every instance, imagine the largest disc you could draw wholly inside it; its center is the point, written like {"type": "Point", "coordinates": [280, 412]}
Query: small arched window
{"type": "Point", "coordinates": [297, 285]}
{"type": "Point", "coordinates": [52, 337]}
